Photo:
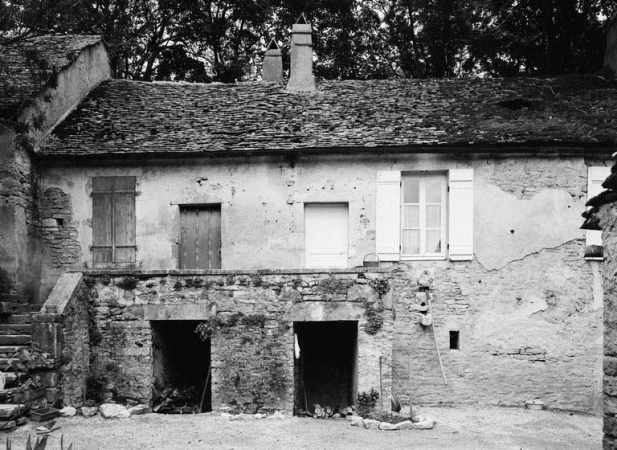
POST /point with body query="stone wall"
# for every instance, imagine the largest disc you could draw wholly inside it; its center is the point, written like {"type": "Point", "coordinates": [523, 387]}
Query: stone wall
{"type": "Point", "coordinates": [250, 316]}
{"type": "Point", "coordinates": [59, 236]}
{"type": "Point", "coordinates": [608, 221]}
{"type": "Point", "coordinates": [527, 331]}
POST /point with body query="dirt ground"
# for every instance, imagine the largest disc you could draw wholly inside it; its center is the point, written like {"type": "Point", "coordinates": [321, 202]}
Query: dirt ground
{"type": "Point", "coordinates": [458, 428]}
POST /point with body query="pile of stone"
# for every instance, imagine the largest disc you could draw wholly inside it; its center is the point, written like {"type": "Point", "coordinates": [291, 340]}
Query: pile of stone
{"type": "Point", "coordinates": [423, 423]}
{"type": "Point", "coordinates": [328, 412]}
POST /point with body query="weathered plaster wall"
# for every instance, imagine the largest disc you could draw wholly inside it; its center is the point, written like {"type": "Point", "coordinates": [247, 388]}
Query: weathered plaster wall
{"type": "Point", "coordinates": [21, 248]}
{"type": "Point", "coordinates": [252, 359]}
{"type": "Point", "coordinates": [89, 68]}
{"type": "Point", "coordinates": [527, 307]}
{"type": "Point", "coordinates": [530, 330]}
{"type": "Point", "coordinates": [19, 234]}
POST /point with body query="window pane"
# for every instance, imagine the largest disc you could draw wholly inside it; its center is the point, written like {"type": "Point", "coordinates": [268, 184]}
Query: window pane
{"type": "Point", "coordinates": [433, 241]}
{"type": "Point", "coordinates": [433, 216]}
{"type": "Point", "coordinates": [433, 191]}
{"type": "Point", "coordinates": [411, 190]}
{"type": "Point", "coordinates": [411, 242]}
{"type": "Point", "coordinates": [411, 216]}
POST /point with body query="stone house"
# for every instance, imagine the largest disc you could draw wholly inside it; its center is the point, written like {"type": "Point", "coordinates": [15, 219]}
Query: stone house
{"type": "Point", "coordinates": [255, 214]}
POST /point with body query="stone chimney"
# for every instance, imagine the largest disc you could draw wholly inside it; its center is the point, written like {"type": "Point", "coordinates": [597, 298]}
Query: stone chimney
{"type": "Point", "coordinates": [610, 57]}
{"type": "Point", "coordinates": [273, 63]}
{"type": "Point", "coordinates": [301, 71]}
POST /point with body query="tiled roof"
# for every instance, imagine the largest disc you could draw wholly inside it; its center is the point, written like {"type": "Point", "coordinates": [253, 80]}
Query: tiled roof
{"type": "Point", "coordinates": [21, 74]}
{"type": "Point", "coordinates": [129, 117]}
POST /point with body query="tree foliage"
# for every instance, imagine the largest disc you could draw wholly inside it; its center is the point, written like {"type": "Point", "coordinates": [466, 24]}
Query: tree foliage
{"type": "Point", "coordinates": [200, 40]}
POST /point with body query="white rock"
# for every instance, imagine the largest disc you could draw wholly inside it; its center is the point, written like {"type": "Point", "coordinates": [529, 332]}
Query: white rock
{"type": "Point", "coordinates": [258, 416]}
{"type": "Point", "coordinates": [371, 424]}
{"type": "Point", "coordinates": [225, 415]}
{"type": "Point", "coordinates": [138, 410]}
{"type": "Point", "coordinates": [406, 425]}
{"type": "Point", "coordinates": [113, 411]}
{"type": "Point", "coordinates": [424, 424]}
{"type": "Point", "coordinates": [357, 421]}
{"type": "Point", "coordinates": [277, 415]}
{"type": "Point", "coordinates": [387, 426]}
{"type": "Point", "coordinates": [68, 411]}
{"type": "Point", "coordinates": [89, 411]}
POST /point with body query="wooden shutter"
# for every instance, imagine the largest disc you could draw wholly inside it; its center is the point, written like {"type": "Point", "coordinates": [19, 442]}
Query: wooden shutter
{"type": "Point", "coordinates": [200, 237]}
{"type": "Point", "coordinates": [460, 214]}
{"type": "Point", "coordinates": [388, 215]}
{"type": "Point", "coordinates": [595, 178]}
{"type": "Point", "coordinates": [326, 234]}
{"type": "Point", "coordinates": [113, 220]}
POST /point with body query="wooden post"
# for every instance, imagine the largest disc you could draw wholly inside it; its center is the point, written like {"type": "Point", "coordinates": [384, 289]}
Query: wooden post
{"type": "Point", "coordinates": [380, 385]}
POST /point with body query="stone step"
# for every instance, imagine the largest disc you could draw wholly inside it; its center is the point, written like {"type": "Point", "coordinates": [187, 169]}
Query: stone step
{"type": "Point", "coordinates": [16, 318]}
{"type": "Point", "coordinates": [12, 298]}
{"type": "Point", "coordinates": [15, 339]}
{"type": "Point", "coordinates": [10, 350]}
{"type": "Point", "coordinates": [17, 308]}
{"type": "Point", "coordinates": [15, 328]}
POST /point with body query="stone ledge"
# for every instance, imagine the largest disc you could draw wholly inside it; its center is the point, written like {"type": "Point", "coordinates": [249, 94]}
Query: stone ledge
{"type": "Point", "coordinates": [179, 272]}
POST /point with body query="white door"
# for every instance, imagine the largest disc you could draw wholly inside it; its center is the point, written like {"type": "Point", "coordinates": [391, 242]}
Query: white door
{"type": "Point", "coordinates": [325, 234]}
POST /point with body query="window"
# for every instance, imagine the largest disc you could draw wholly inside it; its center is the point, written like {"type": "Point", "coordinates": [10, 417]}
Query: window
{"type": "Point", "coordinates": [113, 220]}
{"type": "Point", "coordinates": [424, 215]}
{"type": "Point", "coordinates": [423, 231]}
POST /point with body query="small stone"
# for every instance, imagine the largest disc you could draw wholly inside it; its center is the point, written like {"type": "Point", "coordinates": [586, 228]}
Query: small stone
{"type": "Point", "coordinates": [387, 426]}
{"type": "Point", "coordinates": [68, 411]}
{"type": "Point", "coordinates": [406, 425]}
{"type": "Point", "coordinates": [336, 416]}
{"type": "Point", "coordinates": [226, 415]}
{"type": "Point", "coordinates": [258, 416]}
{"type": "Point", "coordinates": [7, 411]}
{"type": "Point", "coordinates": [371, 424]}
{"type": "Point", "coordinates": [357, 421]}
{"type": "Point", "coordinates": [138, 410]}
{"type": "Point", "coordinates": [113, 411]}
{"type": "Point", "coordinates": [277, 415]}
{"type": "Point", "coordinates": [89, 411]}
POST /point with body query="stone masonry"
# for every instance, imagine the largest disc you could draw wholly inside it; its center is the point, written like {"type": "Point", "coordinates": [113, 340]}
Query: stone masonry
{"type": "Point", "coordinates": [57, 233]}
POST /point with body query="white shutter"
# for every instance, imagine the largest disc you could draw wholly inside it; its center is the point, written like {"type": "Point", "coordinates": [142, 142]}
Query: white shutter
{"type": "Point", "coordinates": [326, 235]}
{"type": "Point", "coordinates": [595, 178]}
{"type": "Point", "coordinates": [460, 214]}
{"type": "Point", "coordinates": [388, 212]}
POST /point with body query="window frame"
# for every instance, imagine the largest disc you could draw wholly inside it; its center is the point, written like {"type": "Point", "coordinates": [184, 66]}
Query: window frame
{"type": "Point", "coordinates": [423, 177]}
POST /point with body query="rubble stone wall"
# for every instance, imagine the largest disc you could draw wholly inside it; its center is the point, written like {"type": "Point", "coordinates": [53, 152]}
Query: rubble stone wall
{"type": "Point", "coordinates": [59, 236]}
{"type": "Point", "coordinates": [252, 315]}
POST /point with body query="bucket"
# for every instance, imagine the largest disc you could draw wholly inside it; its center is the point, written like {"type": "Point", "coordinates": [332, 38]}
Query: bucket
{"type": "Point", "coordinates": [366, 263]}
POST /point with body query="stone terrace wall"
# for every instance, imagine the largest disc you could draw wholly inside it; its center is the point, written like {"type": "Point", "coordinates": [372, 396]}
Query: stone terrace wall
{"type": "Point", "coordinates": [608, 220]}
{"type": "Point", "coordinates": [530, 330]}
{"type": "Point", "coordinates": [252, 314]}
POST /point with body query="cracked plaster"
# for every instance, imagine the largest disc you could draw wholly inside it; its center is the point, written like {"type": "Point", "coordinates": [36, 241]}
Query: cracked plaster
{"type": "Point", "coordinates": [511, 229]}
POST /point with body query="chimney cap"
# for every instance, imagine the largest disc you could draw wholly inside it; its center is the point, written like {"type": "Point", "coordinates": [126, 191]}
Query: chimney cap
{"type": "Point", "coordinates": [273, 45]}
{"type": "Point", "coordinates": [302, 19]}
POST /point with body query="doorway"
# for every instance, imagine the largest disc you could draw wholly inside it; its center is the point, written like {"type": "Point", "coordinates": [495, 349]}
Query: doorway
{"type": "Point", "coordinates": [325, 370]}
{"type": "Point", "coordinates": [181, 367]}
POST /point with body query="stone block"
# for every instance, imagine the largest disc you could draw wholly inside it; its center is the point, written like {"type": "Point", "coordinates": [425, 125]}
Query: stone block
{"type": "Point", "coordinates": [387, 426]}
{"type": "Point", "coordinates": [610, 425]}
{"type": "Point", "coordinates": [113, 411]}
{"type": "Point", "coordinates": [8, 411]}
{"type": "Point", "coordinates": [610, 366]}
{"type": "Point", "coordinates": [371, 424]}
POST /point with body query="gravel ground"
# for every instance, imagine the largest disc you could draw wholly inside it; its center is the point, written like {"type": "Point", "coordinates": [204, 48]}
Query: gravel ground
{"type": "Point", "coordinates": [461, 428]}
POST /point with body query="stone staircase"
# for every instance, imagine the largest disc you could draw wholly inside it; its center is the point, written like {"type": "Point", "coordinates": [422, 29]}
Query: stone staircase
{"type": "Point", "coordinates": [15, 334]}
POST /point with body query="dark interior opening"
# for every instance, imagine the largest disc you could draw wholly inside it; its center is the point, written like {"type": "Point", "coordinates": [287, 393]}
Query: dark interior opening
{"type": "Point", "coordinates": [181, 362]}
{"type": "Point", "coordinates": [454, 340]}
{"type": "Point", "coordinates": [325, 372]}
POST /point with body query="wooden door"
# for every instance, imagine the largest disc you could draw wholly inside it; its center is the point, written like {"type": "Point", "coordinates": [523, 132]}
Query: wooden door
{"type": "Point", "coordinates": [200, 237]}
{"type": "Point", "coordinates": [326, 234]}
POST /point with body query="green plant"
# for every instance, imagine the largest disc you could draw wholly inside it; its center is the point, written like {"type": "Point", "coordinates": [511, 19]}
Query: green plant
{"type": "Point", "coordinates": [40, 444]}
{"type": "Point", "coordinates": [178, 285]}
{"type": "Point", "coordinates": [128, 283]}
{"type": "Point", "coordinates": [366, 401]}
{"type": "Point", "coordinates": [395, 404]}
{"type": "Point", "coordinates": [374, 320]}
{"type": "Point", "coordinates": [257, 280]}
{"type": "Point", "coordinates": [256, 320]}
{"type": "Point", "coordinates": [30, 358]}
{"type": "Point", "coordinates": [333, 285]}
{"type": "Point", "coordinates": [381, 286]}
{"type": "Point", "coordinates": [106, 280]}
{"type": "Point", "coordinates": [194, 283]}
{"type": "Point", "coordinates": [6, 285]}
